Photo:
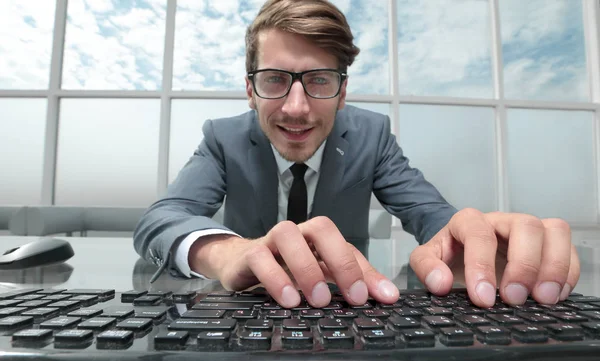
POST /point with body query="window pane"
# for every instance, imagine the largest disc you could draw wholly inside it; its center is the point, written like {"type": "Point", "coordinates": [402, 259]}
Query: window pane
{"type": "Point", "coordinates": [551, 164]}
{"type": "Point", "coordinates": [209, 49]}
{"type": "Point", "coordinates": [543, 48]}
{"type": "Point", "coordinates": [369, 23]}
{"type": "Point", "coordinates": [114, 45]}
{"type": "Point", "coordinates": [25, 43]}
{"type": "Point", "coordinates": [107, 152]}
{"type": "Point", "coordinates": [444, 48]}
{"type": "Point", "coordinates": [22, 133]}
{"type": "Point", "coordinates": [187, 119]}
{"type": "Point", "coordinates": [454, 147]}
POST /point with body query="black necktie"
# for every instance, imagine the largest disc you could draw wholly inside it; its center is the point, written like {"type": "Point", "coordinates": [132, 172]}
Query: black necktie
{"type": "Point", "coordinates": [297, 201]}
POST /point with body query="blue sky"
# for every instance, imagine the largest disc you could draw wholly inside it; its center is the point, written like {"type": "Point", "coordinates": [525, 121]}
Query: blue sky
{"type": "Point", "coordinates": [444, 46]}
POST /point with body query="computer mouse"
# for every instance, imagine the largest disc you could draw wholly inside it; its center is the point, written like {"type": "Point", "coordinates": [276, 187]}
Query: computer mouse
{"type": "Point", "coordinates": [43, 252]}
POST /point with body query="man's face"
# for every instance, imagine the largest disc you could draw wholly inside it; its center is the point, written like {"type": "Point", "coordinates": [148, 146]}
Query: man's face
{"type": "Point", "coordinates": [297, 124]}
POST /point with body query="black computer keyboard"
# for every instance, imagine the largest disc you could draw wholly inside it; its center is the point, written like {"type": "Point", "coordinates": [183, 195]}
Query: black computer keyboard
{"type": "Point", "coordinates": [222, 325]}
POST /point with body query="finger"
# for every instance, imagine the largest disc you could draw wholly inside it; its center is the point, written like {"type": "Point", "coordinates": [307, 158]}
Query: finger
{"type": "Point", "coordinates": [380, 288]}
{"type": "Point", "coordinates": [470, 228]}
{"type": "Point", "coordinates": [278, 284]}
{"type": "Point", "coordinates": [429, 262]}
{"type": "Point", "coordinates": [573, 277]}
{"type": "Point", "coordinates": [301, 262]}
{"type": "Point", "coordinates": [527, 244]}
{"type": "Point", "coordinates": [556, 261]}
{"type": "Point", "coordinates": [333, 250]}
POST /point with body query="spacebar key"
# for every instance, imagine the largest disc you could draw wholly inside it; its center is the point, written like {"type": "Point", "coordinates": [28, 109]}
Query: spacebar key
{"type": "Point", "coordinates": [199, 325]}
{"type": "Point", "coordinates": [223, 306]}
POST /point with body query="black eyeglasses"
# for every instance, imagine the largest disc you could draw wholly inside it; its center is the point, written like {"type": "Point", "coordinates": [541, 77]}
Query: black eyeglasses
{"type": "Point", "coordinates": [317, 83]}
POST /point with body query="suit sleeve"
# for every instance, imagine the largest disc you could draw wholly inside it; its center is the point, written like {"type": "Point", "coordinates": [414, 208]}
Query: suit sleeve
{"type": "Point", "coordinates": [191, 200]}
{"type": "Point", "coordinates": [405, 193]}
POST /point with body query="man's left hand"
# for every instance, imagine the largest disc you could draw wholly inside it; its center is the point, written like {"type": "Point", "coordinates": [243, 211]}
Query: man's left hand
{"type": "Point", "coordinates": [519, 254]}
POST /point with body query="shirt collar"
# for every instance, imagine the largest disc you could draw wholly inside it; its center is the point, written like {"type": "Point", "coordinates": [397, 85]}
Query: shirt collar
{"type": "Point", "coordinates": [313, 163]}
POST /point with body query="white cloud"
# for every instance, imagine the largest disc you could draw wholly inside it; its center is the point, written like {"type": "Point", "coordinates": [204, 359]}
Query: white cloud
{"type": "Point", "coordinates": [100, 6]}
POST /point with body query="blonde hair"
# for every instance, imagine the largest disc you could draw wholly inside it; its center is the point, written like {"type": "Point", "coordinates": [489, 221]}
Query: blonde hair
{"type": "Point", "coordinates": [321, 22]}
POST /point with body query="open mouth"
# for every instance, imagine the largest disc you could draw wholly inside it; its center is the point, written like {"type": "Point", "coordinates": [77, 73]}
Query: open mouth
{"type": "Point", "coordinates": [296, 134]}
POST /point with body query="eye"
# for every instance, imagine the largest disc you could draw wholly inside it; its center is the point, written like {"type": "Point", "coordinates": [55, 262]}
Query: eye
{"type": "Point", "coordinates": [275, 79]}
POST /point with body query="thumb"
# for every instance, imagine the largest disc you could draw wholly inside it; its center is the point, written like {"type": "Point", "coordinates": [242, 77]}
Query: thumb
{"type": "Point", "coordinates": [430, 267]}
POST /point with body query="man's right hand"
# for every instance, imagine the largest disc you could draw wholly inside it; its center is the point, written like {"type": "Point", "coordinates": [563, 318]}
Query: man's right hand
{"type": "Point", "coordinates": [311, 253]}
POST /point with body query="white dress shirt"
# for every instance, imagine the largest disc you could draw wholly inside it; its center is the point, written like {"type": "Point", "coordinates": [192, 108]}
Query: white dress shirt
{"type": "Point", "coordinates": [286, 177]}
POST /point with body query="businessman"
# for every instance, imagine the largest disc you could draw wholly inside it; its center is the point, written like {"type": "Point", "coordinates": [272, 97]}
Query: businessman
{"type": "Point", "coordinates": [296, 174]}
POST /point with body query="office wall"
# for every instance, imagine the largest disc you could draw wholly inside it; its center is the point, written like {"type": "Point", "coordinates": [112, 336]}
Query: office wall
{"type": "Point", "coordinates": [497, 102]}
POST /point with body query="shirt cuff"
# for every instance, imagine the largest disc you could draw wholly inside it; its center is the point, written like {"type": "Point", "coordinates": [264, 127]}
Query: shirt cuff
{"type": "Point", "coordinates": [183, 250]}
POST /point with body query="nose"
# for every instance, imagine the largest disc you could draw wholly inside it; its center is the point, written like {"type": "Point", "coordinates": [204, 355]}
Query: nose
{"type": "Point", "coordinates": [296, 102]}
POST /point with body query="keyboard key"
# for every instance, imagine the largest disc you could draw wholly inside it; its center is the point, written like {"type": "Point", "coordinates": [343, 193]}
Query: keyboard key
{"type": "Point", "coordinates": [278, 314]}
{"type": "Point", "coordinates": [255, 340]}
{"type": "Point", "coordinates": [103, 294]}
{"type": "Point", "coordinates": [223, 306]}
{"type": "Point", "coordinates": [137, 325]}
{"type": "Point", "coordinates": [594, 315]}
{"type": "Point", "coordinates": [12, 311]}
{"type": "Point", "coordinates": [162, 294]}
{"type": "Point", "coordinates": [57, 297]}
{"type": "Point", "coordinates": [16, 293]}
{"type": "Point", "coordinates": [32, 336]}
{"type": "Point", "coordinates": [328, 324]}
{"type": "Point", "coordinates": [65, 306]}
{"type": "Point", "coordinates": [129, 296]}
{"type": "Point", "coordinates": [409, 312]}
{"type": "Point", "coordinates": [239, 299]}
{"type": "Point", "coordinates": [10, 303]}
{"type": "Point", "coordinates": [471, 320]}
{"type": "Point", "coordinates": [294, 324]}
{"type": "Point", "coordinates": [591, 328]}
{"type": "Point", "coordinates": [264, 325]}
{"type": "Point", "coordinates": [569, 317]}
{"type": "Point", "coordinates": [156, 313]}
{"type": "Point", "coordinates": [312, 314]}
{"type": "Point", "coordinates": [184, 297]}
{"type": "Point", "coordinates": [171, 340]}
{"type": "Point", "coordinates": [333, 306]}
{"type": "Point", "coordinates": [438, 311]}
{"type": "Point", "coordinates": [41, 314]}
{"type": "Point", "coordinates": [73, 338]}
{"type": "Point", "coordinates": [536, 318]}
{"type": "Point", "coordinates": [437, 321]}
{"type": "Point", "coordinates": [97, 324]}
{"type": "Point", "coordinates": [114, 339]}
{"type": "Point", "coordinates": [118, 312]}
{"type": "Point", "coordinates": [419, 337]}
{"type": "Point", "coordinates": [213, 340]}
{"type": "Point", "coordinates": [85, 313]}
{"type": "Point", "coordinates": [381, 314]}
{"type": "Point", "coordinates": [60, 323]}
{"type": "Point", "coordinates": [361, 324]}
{"type": "Point", "coordinates": [375, 339]}
{"type": "Point", "coordinates": [86, 300]}
{"type": "Point", "coordinates": [34, 304]}
{"type": "Point", "coordinates": [244, 314]}
{"type": "Point", "coordinates": [147, 301]}
{"type": "Point", "coordinates": [493, 335]}
{"type": "Point", "coordinates": [203, 314]}
{"type": "Point", "coordinates": [199, 325]}
{"type": "Point", "coordinates": [50, 291]}
{"type": "Point", "coordinates": [565, 331]}
{"type": "Point", "coordinates": [14, 322]}
{"type": "Point", "coordinates": [456, 336]}
{"type": "Point", "coordinates": [297, 339]}
{"type": "Point", "coordinates": [344, 313]}
{"type": "Point", "coordinates": [529, 333]}
{"type": "Point", "coordinates": [402, 323]}
{"type": "Point", "coordinates": [338, 339]}
{"type": "Point", "coordinates": [505, 319]}
{"type": "Point", "coordinates": [29, 297]}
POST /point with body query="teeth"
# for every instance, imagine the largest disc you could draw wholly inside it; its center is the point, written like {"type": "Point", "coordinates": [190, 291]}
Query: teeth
{"type": "Point", "coordinates": [295, 131]}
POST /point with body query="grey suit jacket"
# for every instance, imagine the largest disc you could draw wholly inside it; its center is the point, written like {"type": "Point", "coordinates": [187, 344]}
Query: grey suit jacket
{"type": "Point", "coordinates": [235, 159]}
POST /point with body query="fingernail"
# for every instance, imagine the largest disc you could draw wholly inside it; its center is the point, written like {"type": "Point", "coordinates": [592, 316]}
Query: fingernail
{"type": "Point", "coordinates": [387, 289]}
{"type": "Point", "coordinates": [548, 292]}
{"type": "Point", "coordinates": [516, 293]}
{"type": "Point", "coordinates": [566, 291]}
{"type": "Point", "coordinates": [486, 293]}
{"type": "Point", "coordinates": [358, 292]}
{"type": "Point", "coordinates": [433, 281]}
{"type": "Point", "coordinates": [290, 297]}
{"type": "Point", "coordinates": [321, 295]}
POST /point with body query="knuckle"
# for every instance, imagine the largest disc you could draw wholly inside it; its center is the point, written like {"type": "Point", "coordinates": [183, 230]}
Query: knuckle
{"type": "Point", "coordinates": [527, 268]}
{"type": "Point", "coordinates": [347, 264]}
{"type": "Point", "coordinates": [556, 223]}
{"type": "Point", "coordinates": [469, 213]}
{"type": "Point", "coordinates": [309, 271]}
{"type": "Point", "coordinates": [283, 229]}
{"type": "Point", "coordinates": [486, 268]}
{"type": "Point", "coordinates": [322, 223]}
{"type": "Point", "coordinates": [559, 267]}
{"type": "Point", "coordinates": [530, 221]}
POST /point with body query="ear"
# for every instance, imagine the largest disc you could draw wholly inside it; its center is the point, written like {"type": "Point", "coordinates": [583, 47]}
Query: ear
{"type": "Point", "coordinates": [342, 102]}
{"type": "Point", "coordinates": [250, 94]}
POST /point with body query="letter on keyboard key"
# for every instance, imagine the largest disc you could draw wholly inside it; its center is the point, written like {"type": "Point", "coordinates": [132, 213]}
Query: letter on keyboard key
{"type": "Point", "coordinates": [456, 336]}
{"type": "Point", "coordinates": [377, 338]}
{"type": "Point", "coordinates": [171, 340]}
{"type": "Point", "coordinates": [493, 335]}
{"type": "Point", "coordinates": [199, 325]}
{"type": "Point", "coordinates": [213, 340]}
{"type": "Point", "coordinates": [255, 340]}
{"type": "Point", "coordinates": [419, 337]}
{"type": "Point", "coordinates": [337, 339]}
{"type": "Point", "coordinates": [297, 339]}
{"type": "Point", "coordinates": [403, 323]}
{"type": "Point", "coordinates": [294, 324]}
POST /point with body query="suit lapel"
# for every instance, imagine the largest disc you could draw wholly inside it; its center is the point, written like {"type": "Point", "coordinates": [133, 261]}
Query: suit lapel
{"type": "Point", "coordinates": [263, 175]}
{"type": "Point", "coordinates": [332, 170]}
